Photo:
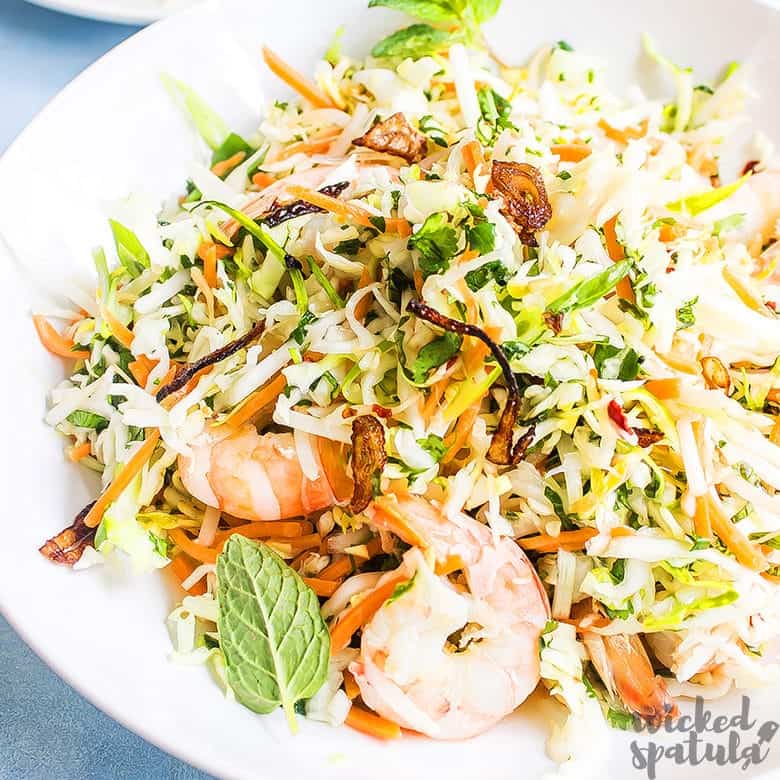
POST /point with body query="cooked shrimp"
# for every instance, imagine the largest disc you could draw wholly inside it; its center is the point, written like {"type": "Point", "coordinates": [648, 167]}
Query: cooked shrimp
{"type": "Point", "coordinates": [622, 663]}
{"type": "Point", "coordinates": [443, 659]}
{"type": "Point", "coordinates": [255, 477]}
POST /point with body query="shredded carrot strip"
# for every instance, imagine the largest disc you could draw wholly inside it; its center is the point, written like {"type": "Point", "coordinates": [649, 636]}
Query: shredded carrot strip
{"type": "Point", "coordinates": [324, 588]}
{"type": "Point", "coordinates": [347, 210]}
{"type": "Point", "coordinates": [625, 135]}
{"type": "Point", "coordinates": [372, 724]}
{"type": "Point", "coordinates": [566, 539]}
{"type": "Point", "coordinates": [202, 284]}
{"type": "Point", "coordinates": [338, 568]}
{"type": "Point", "coordinates": [182, 568]}
{"type": "Point", "coordinates": [356, 617]}
{"type": "Point", "coordinates": [615, 252]}
{"type": "Point", "coordinates": [119, 331]}
{"type": "Point", "coordinates": [766, 575]}
{"type": "Point", "coordinates": [297, 543]}
{"type": "Point", "coordinates": [77, 453]}
{"type": "Point", "coordinates": [256, 402]}
{"type": "Point", "coordinates": [667, 233]}
{"type": "Point", "coordinates": [350, 685]}
{"type": "Point", "coordinates": [294, 79]}
{"type": "Point", "coordinates": [573, 153]}
{"type": "Point", "coordinates": [55, 342]}
{"type": "Point", "coordinates": [747, 553]}
{"type": "Point", "coordinates": [435, 394]}
{"type": "Point", "coordinates": [364, 304]}
{"type": "Point", "coordinates": [664, 389]}
{"type": "Point", "coordinates": [262, 179]}
{"type": "Point", "coordinates": [701, 519]}
{"type": "Point", "coordinates": [123, 479]}
{"type": "Point", "coordinates": [472, 157]}
{"type": "Point", "coordinates": [224, 167]}
{"type": "Point", "coordinates": [287, 529]}
{"type": "Point", "coordinates": [197, 551]}
{"type": "Point", "coordinates": [388, 515]}
{"type": "Point", "coordinates": [449, 565]}
{"type": "Point", "coordinates": [207, 252]}
{"type": "Point", "coordinates": [621, 530]}
{"type": "Point", "coordinates": [454, 441]}
{"type": "Point", "coordinates": [418, 281]}
{"type": "Point", "coordinates": [312, 146]}
{"type": "Point", "coordinates": [333, 459]}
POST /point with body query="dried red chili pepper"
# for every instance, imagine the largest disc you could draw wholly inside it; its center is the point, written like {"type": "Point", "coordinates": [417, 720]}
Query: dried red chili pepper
{"type": "Point", "coordinates": [502, 450]}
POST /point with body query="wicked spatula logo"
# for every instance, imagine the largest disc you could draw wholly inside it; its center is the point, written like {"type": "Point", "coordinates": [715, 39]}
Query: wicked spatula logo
{"type": "Point", "coordinates": [704, 739]}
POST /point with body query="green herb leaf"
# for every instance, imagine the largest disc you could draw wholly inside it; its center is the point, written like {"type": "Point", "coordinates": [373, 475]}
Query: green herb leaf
{"type": "Point", "coordinates": [434, 446]}
{"type": "Point", "coordinates": [685, 314]}
{"type": "Point", "coordinates": [616, 363]}
{"type": "Point", "coordinates": [635, 311]}
{"type": "Point", "coordinates": [208, 123]}
{"type": "Point", "coordinates": [429, 10]}
{"type": "Point", "coordinates": [275, 642]}
{"type": "Point", "coordinates": [130, 250]}
{"type": "Point", "coordinates": [83, 419]}
{"type": "Point", "coordinates": [481, 237]}
{"type": "Point", "coordinates": [587, 292]}
{"type": "Point", "coordinates": [434, 354]}
{"type": "Point", "coordinates": [378, 222]}
{"type": "Point", "coordinates": [495, 111]}
{"type": "Point", "coordinates": [333, 54]}
{"type": "Point", "coordinates": [428, 126]}
{"type": "Point", "coordinates": [233, 144]}
{"type": "Point", "coordinates": [563, 45]}
{"type": "Point", "coordinates": [436, 242]}
{"type": "Point", "coordinates": [160, 545]}
{"type": "Point", "coordinates": [619, 719]}
{"type": "Point", "coordinates": [415, 41]}
{"type": "Point", "coordinates": [494, 271]}
{"type": "Point", "coordinates": [349, 247]}
{"type": "Point", "coordinates": [299, 334]}
{"type": "Point", "coordinates": [484, 9]}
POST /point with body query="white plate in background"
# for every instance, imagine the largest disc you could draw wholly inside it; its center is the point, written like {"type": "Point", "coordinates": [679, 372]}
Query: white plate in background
{"type": "Point", "coordinates": [114, 131]}
{"type": "Point", "coordinates": [119, 11]}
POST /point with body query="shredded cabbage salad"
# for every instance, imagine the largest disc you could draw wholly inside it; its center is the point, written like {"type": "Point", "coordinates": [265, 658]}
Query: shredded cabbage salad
{"type": "Point", "coordinates": [629, 284]}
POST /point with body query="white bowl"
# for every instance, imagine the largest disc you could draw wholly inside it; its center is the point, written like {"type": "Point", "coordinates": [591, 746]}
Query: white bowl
{"type": "Point", "coordinates": [114, 131]}
{"type": "Point", "coordinates": [119, 11]}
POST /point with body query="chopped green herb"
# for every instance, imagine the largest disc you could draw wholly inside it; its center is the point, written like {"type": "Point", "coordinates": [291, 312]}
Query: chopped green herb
{"type": "Point", "coordinates": [437, 243]}
{"type": "Point", "coordinates": [434, 354]}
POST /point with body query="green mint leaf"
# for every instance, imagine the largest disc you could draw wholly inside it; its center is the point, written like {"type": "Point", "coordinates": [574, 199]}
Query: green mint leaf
{"type": "Point", "coordinates": [434, 446]}
{"type": "Point", "coordinates": [415, 41]}
{"type": "Point", "coordinates": [436, 11]}
{"type": "Point", "coordinates": [494, 271]}
{"type": "Point", "coordinates": [685, 314]}
{"type": "Point", "coordinates": [82, 419]}
{"type": "Point", "coordinates": [131, 252]}
{"type": "Point", "coordinates": [564, 176]}
{"type": "Point", "coordinates": [275, 642]}
{"type": "Point", "coordinates": [495, 111]}
{"type": "Point", "coordinates": [589, 291]}
{"type": "Point", "coordinates": [434, 354]}
{"type": "Point", "coordinates": [437, 244]}
{"type": "Point", "coordinates": [481, 237]}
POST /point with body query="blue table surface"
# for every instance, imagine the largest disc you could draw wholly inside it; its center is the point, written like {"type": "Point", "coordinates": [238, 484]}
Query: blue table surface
{"type": "Point", "coordinates": [47, 730]}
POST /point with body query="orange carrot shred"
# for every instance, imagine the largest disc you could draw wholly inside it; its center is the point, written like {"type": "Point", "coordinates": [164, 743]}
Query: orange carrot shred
{"type": "Point", "coordinates": [223, 167]}
{"type": "Point", "coordinates": [372, 724]}
{"type": "Point", "coordinates": [207, 252]}
{"type": "Point", "coordinates": [664, 389]}
{"type": "Point", "coordinates": [324, 588]}
{"type": "Point", "coordinates": [256, 402]}
{"type": "Point", "coordinates": [338, 568]}
{"type": "Point", "coordinates": [55, 342]}
{"type": "Point", "coordinates": [77, 453]}
{"type": "Point", "coordinates": [197, 551]}
{"type": "Point", "coordinates": [294, 79]}
{"type": "Point", "coordinates": [286, 529]}
{"type": "Point", "coordinates": [566, 539]}
{"type": "Point", "coordinates": [356, 617]}
{"type": "Point", "coordinates": [616, 253]}
{"type": "Point", "coordinates": [574, 152]}
{"type": "Point", "coordinates": [364, 304]}
{"type": "Point", "coordinates": [262, 179]}
{"type": "Point", "coordinates": [350, 685]}
{"type": "Point", "coordinates": [625, 135]}
{"type": "Point", "coordinates": [123, 479]}
{"type": "Point", "coordinates": [182, 568]}
{"type": "Point", "coordinates": [747, 553]}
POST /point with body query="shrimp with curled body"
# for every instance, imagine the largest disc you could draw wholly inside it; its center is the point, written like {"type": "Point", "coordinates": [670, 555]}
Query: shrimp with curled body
{"type": "Point", "coordinates": [450, 660]}
{"type": "Point", "coordinates": [259, 477]}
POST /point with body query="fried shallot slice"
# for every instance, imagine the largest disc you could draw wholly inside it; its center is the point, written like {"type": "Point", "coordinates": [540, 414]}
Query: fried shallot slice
{"type": "Point", "coordinates": [368, 459]}
{"type": "Point", "coordinates": [395, 136]}
{"type": "Point", "coordinates": [68, 545]}
{"type": "Point", "coordinates": [526, 205]}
